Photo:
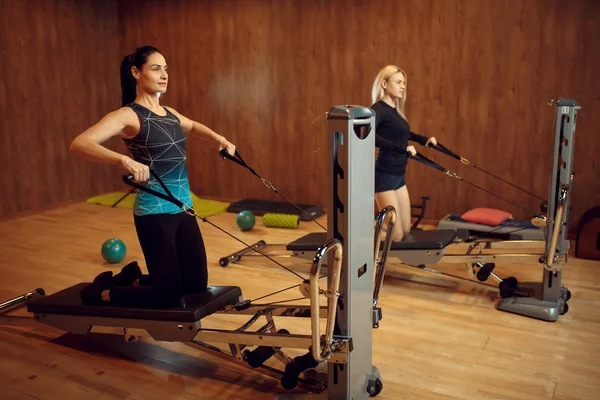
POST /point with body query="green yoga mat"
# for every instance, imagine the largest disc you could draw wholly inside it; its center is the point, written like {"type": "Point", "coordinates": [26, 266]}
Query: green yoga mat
{"type": "Point", "coordinates": [203, 207]}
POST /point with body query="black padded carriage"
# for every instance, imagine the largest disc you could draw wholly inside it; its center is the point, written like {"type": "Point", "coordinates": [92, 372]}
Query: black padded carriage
{"type": "Point", "coordinates": [197, 305]}
{"type": "Point", "coordinates": [416, 240]}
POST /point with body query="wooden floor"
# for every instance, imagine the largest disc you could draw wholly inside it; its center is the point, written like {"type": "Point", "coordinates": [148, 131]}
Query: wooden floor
{"type": "Point", "coordinates": [439, 339]}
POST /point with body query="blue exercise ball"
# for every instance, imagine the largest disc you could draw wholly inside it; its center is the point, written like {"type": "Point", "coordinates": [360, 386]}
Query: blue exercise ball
{"type": "Point", "coordinates": [114, 250]}
{"type": "Point", "coordinates": [245, 220]}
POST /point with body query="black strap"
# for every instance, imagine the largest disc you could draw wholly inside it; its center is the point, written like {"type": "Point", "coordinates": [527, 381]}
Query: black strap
{"type": "Point", "coordinates": [507, 182]}
{"type": "Point", "coordinates": [128, 179]}
{"type": "Point", "coordinates": [497, 196]}
{"type": "Point", "coordinates": [424, 160]}
{"type": "Point", "coordinates": [443, 149]}
{"type": "Point", "coordinates": [237, 158]}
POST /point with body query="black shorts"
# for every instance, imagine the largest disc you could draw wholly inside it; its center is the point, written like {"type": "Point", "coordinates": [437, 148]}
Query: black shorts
{"type": "Point", "coordinates": [387, 182]}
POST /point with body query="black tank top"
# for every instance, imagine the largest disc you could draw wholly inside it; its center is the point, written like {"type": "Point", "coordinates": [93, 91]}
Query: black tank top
{"type": "Point", "coordinates": [161, 145]}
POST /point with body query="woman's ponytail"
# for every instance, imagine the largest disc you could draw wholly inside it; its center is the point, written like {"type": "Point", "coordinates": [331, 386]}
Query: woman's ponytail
{"type": "Point", "coordinates": [128, 85]}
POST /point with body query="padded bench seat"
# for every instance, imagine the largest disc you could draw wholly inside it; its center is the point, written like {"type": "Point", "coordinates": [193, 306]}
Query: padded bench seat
{"type": "Point", "coordinates": [197, 305]}
{"type": "Point", "coordinates": [415, 240]}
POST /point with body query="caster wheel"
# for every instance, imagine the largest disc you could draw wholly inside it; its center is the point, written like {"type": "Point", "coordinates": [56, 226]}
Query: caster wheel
{"type": "Point", "coordinates": [511, 281]}
{"type": "Point", "coordinates": [508, 287]}
{"type": "Point", "coordinates": [484, 272]}
{"type": "Point", "coordinates": [261, 243]}
{"type": "Point", "coordinates": [305, 288]}
{"type": "Point", "coordinates": [563, 309]}
{"type": "Point", "coordinates": [223, 262]}
{"type": "Point", "coordinates": [375, 387]}
{"type": "Point", "coordinates": [482, 275]}
{"type": "Point", "coordinates": [566, 295]}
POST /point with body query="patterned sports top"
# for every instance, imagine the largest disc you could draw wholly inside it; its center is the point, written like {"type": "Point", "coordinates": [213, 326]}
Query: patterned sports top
{"type": "Point", "coordinates": [160, 144]}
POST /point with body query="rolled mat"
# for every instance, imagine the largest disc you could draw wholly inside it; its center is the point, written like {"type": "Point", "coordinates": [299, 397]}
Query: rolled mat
{"type": "Point", "coordinates": [281, 220]}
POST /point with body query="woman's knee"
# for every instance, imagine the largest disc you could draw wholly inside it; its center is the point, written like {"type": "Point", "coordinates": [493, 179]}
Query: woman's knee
{"type": "Point", "coordinates": [406, 226]}
{"type": "Point", "coordinates": [168, 294]}
{"type": "Point", "coordinates": [398, 233]}
{"type": "Point", "coordinates": [169, 298]}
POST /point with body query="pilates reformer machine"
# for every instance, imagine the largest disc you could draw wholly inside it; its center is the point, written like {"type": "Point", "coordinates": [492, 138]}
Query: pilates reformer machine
{"type": "Point", "coordinates": [343, 347]}
{"type": "Point", "coordinates": [479, 253]}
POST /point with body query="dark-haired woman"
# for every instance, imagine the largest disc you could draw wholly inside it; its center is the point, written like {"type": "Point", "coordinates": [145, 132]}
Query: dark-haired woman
{"type": "Point", "coordinates": [156, 137]}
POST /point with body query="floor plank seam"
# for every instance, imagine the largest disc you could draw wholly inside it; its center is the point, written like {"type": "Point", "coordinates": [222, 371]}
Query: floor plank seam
{"type": "Point", "coordinates": [25, 394]}
{"type": "Point", "coordinates": [486, 342]}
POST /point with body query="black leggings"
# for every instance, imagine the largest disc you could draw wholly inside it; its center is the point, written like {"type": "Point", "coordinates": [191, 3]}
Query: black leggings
{"type": "Point", "coordinates": [176, 261]}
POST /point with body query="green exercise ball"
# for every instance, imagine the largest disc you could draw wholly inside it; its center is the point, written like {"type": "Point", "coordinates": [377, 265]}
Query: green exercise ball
{"type": "Point", "coordinates": [114, 250]}
{"type": "Point", "coordinates": [245, 220]}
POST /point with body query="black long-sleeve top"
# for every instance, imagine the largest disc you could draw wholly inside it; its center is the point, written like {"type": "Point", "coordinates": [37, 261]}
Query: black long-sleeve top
{"type": "Point", "coordinates": [392, 136]}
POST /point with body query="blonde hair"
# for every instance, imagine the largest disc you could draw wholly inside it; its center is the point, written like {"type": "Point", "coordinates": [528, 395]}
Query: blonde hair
{"type": "Point", "coordinates": [378, 93]}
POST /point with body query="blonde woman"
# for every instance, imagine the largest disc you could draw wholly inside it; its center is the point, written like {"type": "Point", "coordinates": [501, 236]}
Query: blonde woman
{"type": "Point", "coordinates": [393, 133]}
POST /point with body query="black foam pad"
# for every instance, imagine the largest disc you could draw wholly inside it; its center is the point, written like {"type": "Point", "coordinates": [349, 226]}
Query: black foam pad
{"type": "Point", "coordinates": [415, 240]}
{"type": "Point", "coordinates": [197, 305]}
{"type": "Point", "coordinates": [262, 207]}
{"type": "Point", "coordinates": [310, 242]}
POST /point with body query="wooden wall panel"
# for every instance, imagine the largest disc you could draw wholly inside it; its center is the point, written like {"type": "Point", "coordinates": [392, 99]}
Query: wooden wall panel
{"type": "Point", "coordinates": [480, 76]}
{"type": "Point", "coordinates": [59, 74]}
